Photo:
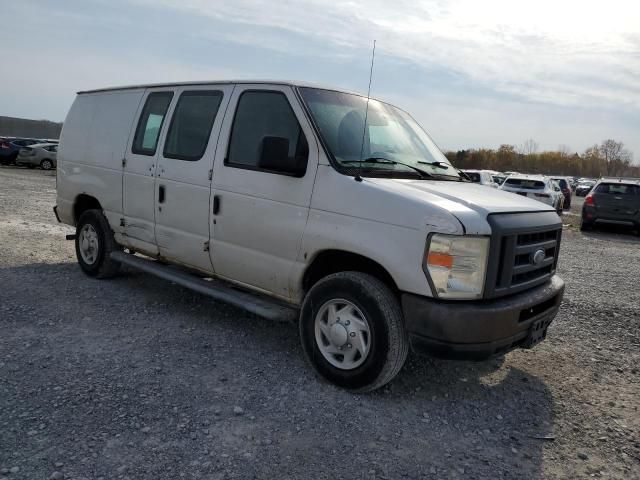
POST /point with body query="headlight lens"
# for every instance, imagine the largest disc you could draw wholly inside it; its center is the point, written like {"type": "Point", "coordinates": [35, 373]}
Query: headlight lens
{"type": "Point", "coordinates": [457, 265]}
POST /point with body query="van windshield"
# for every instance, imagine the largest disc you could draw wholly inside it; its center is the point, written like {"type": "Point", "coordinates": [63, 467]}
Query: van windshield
{"type": "Point", "coordinates": [390, 134]}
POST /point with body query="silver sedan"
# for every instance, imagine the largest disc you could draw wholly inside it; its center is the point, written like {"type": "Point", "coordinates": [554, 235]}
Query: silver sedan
{"type": "Point", "coordinates": [41, 155]}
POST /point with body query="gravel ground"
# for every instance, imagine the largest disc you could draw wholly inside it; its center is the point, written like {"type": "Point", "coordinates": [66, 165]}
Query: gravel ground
{"type": "Point", "coordinates": [138, 378]}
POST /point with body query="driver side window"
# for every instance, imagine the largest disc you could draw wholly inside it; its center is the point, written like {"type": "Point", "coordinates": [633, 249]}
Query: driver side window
{"type": "Point", "coordinates": [266, 135]}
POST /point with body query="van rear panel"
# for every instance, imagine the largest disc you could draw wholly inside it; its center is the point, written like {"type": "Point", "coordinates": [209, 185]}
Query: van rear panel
{"type": "Point", "coordinates": [92, 145]}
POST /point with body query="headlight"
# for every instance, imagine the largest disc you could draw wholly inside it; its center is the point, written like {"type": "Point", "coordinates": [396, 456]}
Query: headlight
{"type": "Point", "coordinates": [457, 265]}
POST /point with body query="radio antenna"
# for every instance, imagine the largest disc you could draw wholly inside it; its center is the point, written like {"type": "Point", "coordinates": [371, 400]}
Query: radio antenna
{"type": "Point", "coordinates": [358, 177]}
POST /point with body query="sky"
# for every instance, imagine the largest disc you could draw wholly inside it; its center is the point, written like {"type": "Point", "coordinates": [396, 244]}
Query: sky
{"type": "Point", "coordinates": [473, 73]}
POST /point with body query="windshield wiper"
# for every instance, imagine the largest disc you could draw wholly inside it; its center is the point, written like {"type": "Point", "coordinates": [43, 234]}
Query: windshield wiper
{"type": "Point", "coordinates": [443, 165]}
{"type": "Point", "coordinates": [463, 175]}
{"type": "Point", "coordinates": [422, 173]}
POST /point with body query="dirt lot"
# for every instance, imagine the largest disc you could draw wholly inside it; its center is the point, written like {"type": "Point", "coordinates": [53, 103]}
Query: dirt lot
{"type": "Point", "coordinates": [137, 378]}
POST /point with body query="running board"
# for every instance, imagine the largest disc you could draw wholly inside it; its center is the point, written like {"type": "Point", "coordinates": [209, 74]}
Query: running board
{"type": "Point", "coordinates": [254, 303]}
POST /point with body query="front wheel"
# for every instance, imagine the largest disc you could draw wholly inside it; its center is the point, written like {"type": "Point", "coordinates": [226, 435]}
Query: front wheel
{"type": "Point", "coordinates": [94, 244]}
{"type": "Point", "coordinates": [352, 331]}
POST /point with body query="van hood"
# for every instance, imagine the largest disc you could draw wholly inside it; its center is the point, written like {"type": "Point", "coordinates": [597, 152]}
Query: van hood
{"type": "Point", "coordinates": [470, 203]}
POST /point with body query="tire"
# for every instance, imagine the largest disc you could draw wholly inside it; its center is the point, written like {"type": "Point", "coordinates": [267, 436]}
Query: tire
{"type": "Point", "coordinates": [585, 226]}
{"type": "Point", "coordinates": [97, 261]}
{"type": "Point", "coordinates": [46, 164]}
{"type": "Point", "coordinates": [388, 342]}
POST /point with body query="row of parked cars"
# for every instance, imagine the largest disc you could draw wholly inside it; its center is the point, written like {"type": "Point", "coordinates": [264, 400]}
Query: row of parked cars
{"type": "Point", "coordinates": [607, 200]}
{"type": "Point", "coordinates": [554, 191]}
{"type": "Point", "coordinates": [30, 152]}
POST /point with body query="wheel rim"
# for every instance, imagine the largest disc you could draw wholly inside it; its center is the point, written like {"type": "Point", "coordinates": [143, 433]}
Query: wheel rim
{"type": "Point", "coordinates": [88, 244]}
{"type": "Point", "coordinates": [46, 164]}
{"type": "Point", "coordinates": [342, 333]}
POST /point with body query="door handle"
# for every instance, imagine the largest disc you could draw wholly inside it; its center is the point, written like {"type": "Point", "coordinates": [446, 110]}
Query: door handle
{"type": "Point", "coordinates": [161, 194]}
{"type": "Point", "coordinates": [216, 204]}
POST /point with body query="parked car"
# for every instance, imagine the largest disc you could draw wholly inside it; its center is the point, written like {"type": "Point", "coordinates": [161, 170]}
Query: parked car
{"type": "Point", "coordinates": [565, 187]}
{"type": "Point", "coordinates": [612, 200]}
{"type": "Point", "coordinates": [41, 155]}
{"type": "Point", "coordinates": [483, 177]}
{"type": "Point", "coordinates": [584, 188]}
{"type": "Point", "coordinates": [498, 177]}
{"type": "Point", "coordinates": [538, 187]}
{"type": "Point", "coordinates": [371, 254]}
{"type": "Point", "coordinates": [9, 148]}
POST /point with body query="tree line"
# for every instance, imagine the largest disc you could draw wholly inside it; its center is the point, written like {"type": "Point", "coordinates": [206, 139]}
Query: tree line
{"type": "Point", "coordinates": [22, 127]}
{"type": "Point", "coordinates": [609, 158]}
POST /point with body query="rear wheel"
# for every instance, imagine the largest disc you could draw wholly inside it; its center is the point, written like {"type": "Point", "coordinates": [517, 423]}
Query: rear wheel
{"type": "Point", "coordinates": [94, 244]}
{"type": "Point", "coordinates": [585, 225]}
{"type": "Point", "coordinates": [352, 331]}
{"type": "Point", "coordinates": [46, 164]}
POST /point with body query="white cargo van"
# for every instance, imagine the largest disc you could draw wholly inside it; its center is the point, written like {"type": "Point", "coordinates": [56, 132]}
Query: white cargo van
{"type": "Point", "coordinates": [280, 198]}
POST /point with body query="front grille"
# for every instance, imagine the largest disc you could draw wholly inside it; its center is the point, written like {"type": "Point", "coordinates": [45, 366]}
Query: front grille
{"type": "Point", "coordinates": [524, 251]}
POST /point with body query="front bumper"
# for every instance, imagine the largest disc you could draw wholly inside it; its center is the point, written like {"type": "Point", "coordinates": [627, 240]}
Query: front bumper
{"type": "Point", "coordinates": [591, 215]}
{"type": "Point", "coordinates": [481, 329]}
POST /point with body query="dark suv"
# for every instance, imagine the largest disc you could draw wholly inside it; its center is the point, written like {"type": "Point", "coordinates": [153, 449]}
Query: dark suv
{"type": "Point", "coordinates": [565, 186]}
{"type": "Point", "coordinates": [613, 200]}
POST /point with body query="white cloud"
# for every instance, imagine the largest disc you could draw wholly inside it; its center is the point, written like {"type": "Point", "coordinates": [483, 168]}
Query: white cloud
{"type": "Point", "coordinates": [476, 73]}
{"type": "Point", "coordinates": [572, 53]}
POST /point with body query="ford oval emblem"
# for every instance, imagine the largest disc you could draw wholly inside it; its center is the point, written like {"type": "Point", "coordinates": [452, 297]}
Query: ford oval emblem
{"type": "Point", "coordinates": [538, 256]}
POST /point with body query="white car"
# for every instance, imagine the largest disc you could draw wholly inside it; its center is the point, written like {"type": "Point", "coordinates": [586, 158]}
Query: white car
{"type": "Point", "coordinates": [263, 195]}
{"type": "Point", "coordinates": [483, 177]}
{"type": "Point", "coordinates": [538, 187]}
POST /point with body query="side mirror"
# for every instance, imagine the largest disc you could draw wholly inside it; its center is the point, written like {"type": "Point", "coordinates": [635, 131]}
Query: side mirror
{"type": "Point", "coordinates": [274, 155]}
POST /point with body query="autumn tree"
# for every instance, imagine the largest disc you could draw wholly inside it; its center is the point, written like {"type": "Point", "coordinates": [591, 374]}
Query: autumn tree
{"type": "Point", "coordinates": [507, 157]}
{"type": "Point", "coordinates": [529, 147]}
{"type": "Point", "coordinates": [608, 158]}
{"type": "Point", "coordinates": [616, 157]}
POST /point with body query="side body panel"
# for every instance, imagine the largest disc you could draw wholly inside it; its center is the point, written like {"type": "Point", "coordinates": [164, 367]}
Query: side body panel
{"type": "Point", "coordinates": [182, 219]}
{"type": "Point", "coordinates": [139, 186]}
{"type": "Point", "coordinates": [370, 220]}
{"type": "Point", "coordinates": [92, 145]}
{"type": "Point", "coordinates": [257, 234]}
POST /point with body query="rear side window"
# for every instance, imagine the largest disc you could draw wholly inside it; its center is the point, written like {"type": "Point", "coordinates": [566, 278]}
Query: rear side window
{"type": "Point", "coordinates": [150, 123]}
{"type": "Point", "coordinates": [191, 124]}
{"type": "Point", "coordinates": [562, 182]}
{"type": "Point", "coordinates": [525, 183]}
{"type": "Point", "coordinates": [618, 189]}
{"type": "Point", "coordinates": [263, 114]}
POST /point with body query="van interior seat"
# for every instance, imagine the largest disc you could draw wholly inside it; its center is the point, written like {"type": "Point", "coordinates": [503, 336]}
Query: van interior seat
{"type": "Point", "coordinates": [350, 136]}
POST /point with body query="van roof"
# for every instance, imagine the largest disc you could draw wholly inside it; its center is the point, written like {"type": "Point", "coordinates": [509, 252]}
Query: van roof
{"type": "Point", "coordinates": [290, 83]}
